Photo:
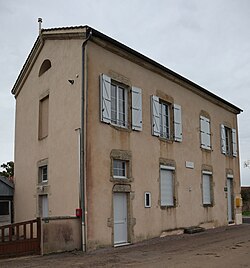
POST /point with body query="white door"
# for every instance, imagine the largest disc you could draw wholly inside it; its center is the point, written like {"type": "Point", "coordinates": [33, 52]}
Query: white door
{"type": "Point", "coordinates": [229, 200]}
{"type": "Point", "coordinates": [120, 218]}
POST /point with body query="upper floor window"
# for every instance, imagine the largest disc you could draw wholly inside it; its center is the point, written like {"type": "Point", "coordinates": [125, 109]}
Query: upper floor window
{"type": "Point", "coordinates": [228, 141]}
{"type": "Point", "coordinates": [161, 113]}
{"type": "Point", "coordinates": [114, 104]}
{"type": "Point", "coordinates": [43, 174]}
{"type": "Point", "coordinates": [205, 132]}
{"type": "Point", "coordinates": [43, 117]}
{"type": "Point", "coordinates": [164, 120]}
{"type": "Point", "coordinates": [119, 105]}
{"type": "Point", "coordinates": [46, 65]}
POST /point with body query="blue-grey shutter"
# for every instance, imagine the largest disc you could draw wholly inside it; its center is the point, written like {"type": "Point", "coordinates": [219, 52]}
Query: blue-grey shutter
{"type": "Point", "coordinates": [206, 189]}
{"type": "Point", "coordinates": [223, 139]}
{"type": "Point", "coordinates": [136, 109]}
{"type": "Point", "coordinates": [155, 109]}
{"type": "Point", "coordinates": [177, 123]}
{"type": "Point", "coordinates": [234, 141]}
{"type": "Point", "coordinates": [105, 100]}
{"type": "Point", "coordinates": [205, 133]}
{"type": "Point", "coordinates": [167, 187]}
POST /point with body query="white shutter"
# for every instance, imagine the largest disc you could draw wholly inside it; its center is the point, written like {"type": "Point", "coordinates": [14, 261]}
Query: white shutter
{"type": "Point", "coordinates": [206, 189]}
{"type": "Point", "coordinates": [205, 133]}
{"type": "Point", "coordinates": [234, 141]}
{"type": "Point", "coordinates": [136, 109]}
{"type": "Point", "coordinates": [155, 109]}
{"type": "Point", "coordinates": [223, 139]}
{"type": "Point", "coordinates": [167, 193]}
{"type": "Point", "coordinates": [177, 123]}
{"type": "Point", "coordinates": [105, 94]}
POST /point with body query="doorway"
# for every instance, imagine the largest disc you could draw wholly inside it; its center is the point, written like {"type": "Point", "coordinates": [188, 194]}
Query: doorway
{"type": "Point", "coordinates": [230, 200]}
{"type": "Point", "coordinates": [120, 218]}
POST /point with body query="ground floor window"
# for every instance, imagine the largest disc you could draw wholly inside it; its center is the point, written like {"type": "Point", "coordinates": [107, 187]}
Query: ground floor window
{"type": "Point", "coordinates": [167, 186]}
{"type": "Point", "coordinates": [207, 188]}
{"type": "Point", "coordinates": [43, 206]}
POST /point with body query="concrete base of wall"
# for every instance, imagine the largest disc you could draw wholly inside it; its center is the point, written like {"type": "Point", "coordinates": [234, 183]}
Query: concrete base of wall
{"type": "Point", "coordinates": [61, 234]}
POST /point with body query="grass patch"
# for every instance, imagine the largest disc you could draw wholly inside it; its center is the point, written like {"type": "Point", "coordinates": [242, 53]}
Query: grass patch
{"type": "Point", "coordinates": [246, 213]}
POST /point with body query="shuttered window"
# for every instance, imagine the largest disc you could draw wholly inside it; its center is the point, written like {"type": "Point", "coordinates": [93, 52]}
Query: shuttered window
{"type": "Point", "coordinates": [234, 142]}
{"type": "Point", "coordinates": [228, 141]}
{"type": "Point", "coordinates": [155, 109]}
{"type": "Point", "coordinates": [206, 188]}
{"type": "Point", "coordinates": [177, 123]}
{"type": "Point", "coordinates": [205, 133]}
{"type": "Point", "coordinates": [136, 109]}
{"type": "Point", "coordinates": [114, 104]}
{"type": "Point", "coordinates": [105, 88]}
{"type": "Point", "coordinates": [161, 125]}
{"type": "Point", "coordinates": [166, 186]}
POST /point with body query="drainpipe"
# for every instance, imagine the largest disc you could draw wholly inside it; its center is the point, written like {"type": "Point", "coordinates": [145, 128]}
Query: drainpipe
{"type": "Point", "coordinates": [83, 145]}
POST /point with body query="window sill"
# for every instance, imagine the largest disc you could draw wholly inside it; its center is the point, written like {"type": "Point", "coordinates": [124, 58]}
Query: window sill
{"type": "Point", "coordinates": [121, 180]}
{"type": "Point", "coordinates": [166, 140]}
{"type": "Point", "coordinates": [167, 207]}
{"type": "Point", "coordinates": [120, 128]}
{"type": "Point", "coordinates": [206, 150]}
{"type": "Point", "coordinates": [207, 205]}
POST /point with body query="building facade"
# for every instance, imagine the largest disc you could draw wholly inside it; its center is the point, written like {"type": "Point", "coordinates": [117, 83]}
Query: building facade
{"type": "Point", "coordinates": [138, 148]}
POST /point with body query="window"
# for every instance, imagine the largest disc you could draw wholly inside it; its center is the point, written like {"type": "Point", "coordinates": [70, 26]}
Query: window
{"type": "Point", "coordinates": [147, 200]}
{"type": "Point", "coordinates": [43, 206]}
{"type": "Point", "coordinates": [46, 65]}
{"type": "Point", "coordinates": [119, 112]}
{"type": "Point", "coordinates": [114, 104]}
{"type": "Point", "coordinates": [164, 120]}
{"type": "Point", "coordinates": [43, 174]}
{"type": "Point", "coordinates": [205, 132]}
{"type": "Point", "coordinates": [161, 113]}
{"type": "Point", "coordinates": [119, 169]}
{"type": "Point", "coordinates": [167, 186]}
{"type": "Point", "coordinates": [4, 208]}
{"type": "Point", "coordinates": [228, 141]}
{"type": "Point", "coordinates": [206, 188]}
{"type": "Point", "coordinates": [43, 117]}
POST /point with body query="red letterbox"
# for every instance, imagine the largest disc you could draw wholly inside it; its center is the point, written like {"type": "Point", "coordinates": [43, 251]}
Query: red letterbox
{"type": "Point", "coordinates": [79, 212]}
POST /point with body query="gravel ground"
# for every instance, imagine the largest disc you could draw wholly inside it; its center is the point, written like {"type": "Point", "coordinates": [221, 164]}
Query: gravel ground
{"type": "Point", "coordinates": [221, 247]}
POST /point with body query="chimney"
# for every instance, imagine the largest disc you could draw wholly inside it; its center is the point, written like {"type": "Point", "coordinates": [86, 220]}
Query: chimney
{"type": "Point", "coordinates": [40, 20]}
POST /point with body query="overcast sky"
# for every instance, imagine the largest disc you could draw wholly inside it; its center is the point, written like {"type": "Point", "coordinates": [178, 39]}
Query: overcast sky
{"type": "Point", "coordinates": [208, 42]}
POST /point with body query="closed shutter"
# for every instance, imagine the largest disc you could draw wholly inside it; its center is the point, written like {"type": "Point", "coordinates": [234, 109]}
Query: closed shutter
{"type": "Point", "coordinates": [105, 93]}
{"type": "Point", "coordinates": [205, 133]}
{"type": "Point", "coordinates": [136, 109]}
{"type": "Point", "coordinates": [155, 109]}
{"type": "Point", "coordinates": [223, 139]}
{"type": "Point", "coordinates": [177, 123]}
{"type": "Point", "coordinates": [234, 141]}
{"type": "Point", "coordinates": [167, 187]}
{"type": "Point", "coordinates": [206, 189]}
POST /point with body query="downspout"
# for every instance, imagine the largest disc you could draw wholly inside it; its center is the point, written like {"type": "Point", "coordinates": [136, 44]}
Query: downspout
{"type": "Point", "coordinates": [82, 145]}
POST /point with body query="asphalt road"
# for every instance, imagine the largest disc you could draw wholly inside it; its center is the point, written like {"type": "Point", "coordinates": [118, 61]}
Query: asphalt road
{"type": "Point", "coordinates": [220, 247]}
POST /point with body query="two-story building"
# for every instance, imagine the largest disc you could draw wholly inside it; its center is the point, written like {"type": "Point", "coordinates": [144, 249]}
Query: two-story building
{"type": "Point", "coordinates": [139, 148]}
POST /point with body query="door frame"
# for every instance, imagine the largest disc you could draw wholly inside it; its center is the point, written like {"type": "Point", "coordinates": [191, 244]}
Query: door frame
{"type": "Point", "coordinates": [126, 189]}
{"type": "Point", "coordinates": [230, 191]}
{"type": "Point", "coordinates": [125, 195]}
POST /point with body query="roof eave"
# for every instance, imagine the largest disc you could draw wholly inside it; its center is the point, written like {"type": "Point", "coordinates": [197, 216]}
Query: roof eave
{"type": "Point", "coordinates": [96, 33]}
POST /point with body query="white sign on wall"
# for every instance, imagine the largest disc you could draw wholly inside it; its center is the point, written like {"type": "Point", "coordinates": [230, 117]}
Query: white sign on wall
{"type": "Point", "coordinates": [189, 164]}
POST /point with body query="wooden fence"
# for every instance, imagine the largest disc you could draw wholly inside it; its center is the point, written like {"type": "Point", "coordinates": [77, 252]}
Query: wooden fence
{"type": "Point", "coordinates": [19, 239]}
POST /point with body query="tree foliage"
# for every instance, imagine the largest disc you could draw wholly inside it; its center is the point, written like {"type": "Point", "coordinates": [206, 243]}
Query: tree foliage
{"type": "Point", "coordinates": [8, 170]}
